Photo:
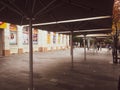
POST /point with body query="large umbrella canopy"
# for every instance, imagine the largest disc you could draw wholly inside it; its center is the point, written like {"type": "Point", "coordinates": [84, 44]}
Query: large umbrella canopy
{"type": "Point", "coordinates": [30, 12]}
{"type": "Point", "coordinates": [42, 11]}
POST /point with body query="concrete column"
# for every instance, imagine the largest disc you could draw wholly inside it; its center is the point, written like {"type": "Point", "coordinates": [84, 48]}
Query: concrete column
{"type": "Point", "coordinates": [60, 41]}
{"type": "Point", "coordinates": [88, 42]}
{"type": "Point", "coordinates": [57, 45]}
{"type": "Point", "coordinates": [51, 37]}
{"type": "Point", "coordinates": [46, 45]}
{"type": "Point", "coordinates": [6, 48]}
{"type": "Point", "coordinates": [68, 41]}
{"type": "Point", "coordinates": [39, 40]}
{"type": "Point", "coordinates": [20, 38]}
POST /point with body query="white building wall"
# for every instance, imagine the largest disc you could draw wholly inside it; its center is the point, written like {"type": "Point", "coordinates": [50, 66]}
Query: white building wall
{"type": "Point", "coordinates": [52, 41]}
{"type": "Point", "coordinates": [44, 38]}
{"type": "Point", "coordinates": [68, 41]}
{"type": "Point", "coordinates": [35, 47]}
{"type": "Point", "coordinates": [60, 39]}
{"type": "Point", "coordinates": [39, 38]}
{"type": "Point", "coordinates": [20, 37]}
{"type": "Point", "coordinates": [42, 41]}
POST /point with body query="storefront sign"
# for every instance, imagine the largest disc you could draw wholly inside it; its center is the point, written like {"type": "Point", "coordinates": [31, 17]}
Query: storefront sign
{"type": "Point", "coordinates": [13, 27]}
{"type": "Point", "coordinates": [3, 25]}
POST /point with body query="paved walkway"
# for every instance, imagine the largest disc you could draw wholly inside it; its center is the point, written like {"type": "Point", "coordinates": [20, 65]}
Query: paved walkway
{"type": "Point", "coordinates": [52, 71]}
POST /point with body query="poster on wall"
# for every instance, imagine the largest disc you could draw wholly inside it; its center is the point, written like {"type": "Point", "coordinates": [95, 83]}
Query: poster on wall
{"type": "Point", "coordinates": [13, 34]}
{"type": "Point", "coordinates": [35, 36]}
{"type": "Point", "coordinates": [25, 35]}
{"type": "Point", "coordinates": [48, 38]}
{"type": "Point", "coordinates": [54, 38]}
{"type": "Point", "coordinates": [13, 37]}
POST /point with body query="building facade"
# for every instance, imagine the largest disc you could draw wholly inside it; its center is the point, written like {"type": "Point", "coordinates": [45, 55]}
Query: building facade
{"type": "Point", "coordinates": [14, 39]}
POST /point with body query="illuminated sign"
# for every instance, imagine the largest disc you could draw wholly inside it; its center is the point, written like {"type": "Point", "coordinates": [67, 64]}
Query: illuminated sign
{"type": "Point", "coordinates": [3, 25]}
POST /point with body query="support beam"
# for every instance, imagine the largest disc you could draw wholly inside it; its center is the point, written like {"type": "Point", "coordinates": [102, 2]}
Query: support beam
{"type": "Point", "coordinates": [11, 8]}
{"type": "Point", "coordinates": [33, 6]}
{"type": "Point", "coordinates": [2, 8]}
{"type": "Point", "coordinates": [70, 21]}
{"type": "Point", "coordinates": [17, 8]}
{"type": "Point", "coordinates": [39, 12]}
{"type": "Point", "coordinates": [30, 56]}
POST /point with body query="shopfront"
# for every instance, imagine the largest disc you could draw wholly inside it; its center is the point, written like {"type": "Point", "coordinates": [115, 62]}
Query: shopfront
{"type": "Point", "coordinates": [14, 39]}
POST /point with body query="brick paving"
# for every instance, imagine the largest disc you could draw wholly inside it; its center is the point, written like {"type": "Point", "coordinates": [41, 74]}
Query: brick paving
{"type": "Point", "coordinates": [52, 71]}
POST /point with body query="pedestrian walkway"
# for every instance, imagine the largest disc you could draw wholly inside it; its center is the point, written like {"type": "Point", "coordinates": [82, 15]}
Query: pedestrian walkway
{"type": "Point", "coordinates": [52, 71]}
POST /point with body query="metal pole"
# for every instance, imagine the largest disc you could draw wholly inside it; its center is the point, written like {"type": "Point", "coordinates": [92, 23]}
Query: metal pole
{"type": "Point", "coordinates": [84, 47]}
{"type": "Point", "coordinates": [116, 42]}
{"type": "Point", "coordinates": [30, 56]}
{"type": "Point", "coordinates": [71, 43]}
{"type": "Point", "coordinates": [119, 83]}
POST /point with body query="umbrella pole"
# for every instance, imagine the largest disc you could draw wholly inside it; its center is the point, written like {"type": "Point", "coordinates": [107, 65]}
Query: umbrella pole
{"type": "Point", "coordinates": [84, 47]}
{"type": "Point", "coordinates": [30, 56]}
{"type": "Point", "coordinates": [71, 44]}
